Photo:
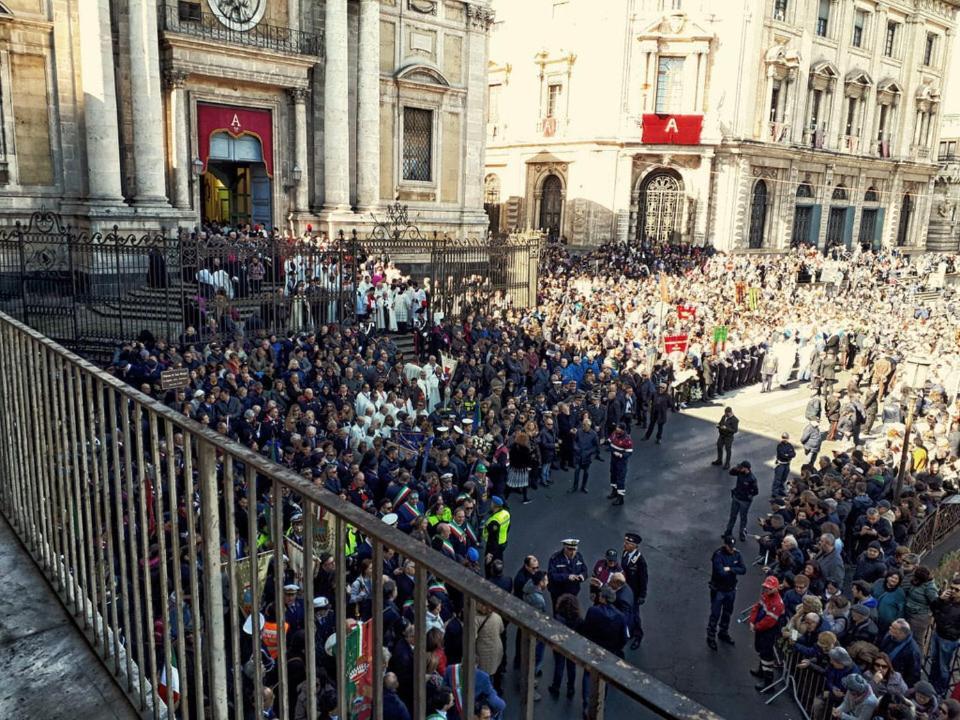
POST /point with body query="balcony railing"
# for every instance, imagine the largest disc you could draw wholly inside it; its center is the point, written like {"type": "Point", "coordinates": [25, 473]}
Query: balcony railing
{"type": "Point", "coordinates": [137, 516]}
{"type": "Point", "coordinates": [203, 24]}
{"type": "Point", "coordinates": [778, 132]}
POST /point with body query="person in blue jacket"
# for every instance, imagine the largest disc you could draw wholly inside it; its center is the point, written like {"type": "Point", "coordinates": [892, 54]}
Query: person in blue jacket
{"type": "Point", "coordinates": [586, 445]}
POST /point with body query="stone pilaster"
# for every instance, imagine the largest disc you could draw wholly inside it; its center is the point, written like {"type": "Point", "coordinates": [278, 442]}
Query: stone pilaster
{"type": "Point", "coordinates": [479, 19]}
{"type": "Point", "coordinates": [180, 160]}
{"type": "Point", "coordinates": [368, 106]}
{"type": "Point", "coordinates": [99, 102]}
{"type": "Point", "coordinates": [336, 135]}
{"type": "Point", "coordinates": [298, 98]}
{"type": "Point", "coordinates": [147, 103]}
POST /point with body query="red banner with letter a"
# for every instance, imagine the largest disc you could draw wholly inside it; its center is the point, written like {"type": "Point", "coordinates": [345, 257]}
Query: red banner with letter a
{"type": "Point", "coordinates": [672, 129]}
{"type": "Point", "coordinates": [212, 119]}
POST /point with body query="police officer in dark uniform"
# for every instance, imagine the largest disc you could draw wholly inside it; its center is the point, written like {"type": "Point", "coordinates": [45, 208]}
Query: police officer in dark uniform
{"type": "Point", "coordinates": [634, 566]}
{"type": "Point", "coordinates": [566, 571]}
{"type": "Point", "coordinates": [621, 448]}
{"type": "Point", "coordinates": [726, 565]}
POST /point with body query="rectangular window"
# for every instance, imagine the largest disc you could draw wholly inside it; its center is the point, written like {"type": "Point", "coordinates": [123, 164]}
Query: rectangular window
{"type": "Point", "coordinates": [882, 123]}
{"type": "Point", "coordinates": [669, 84]}
{"type": "Point", "coordinates": [930, 50]}
{"type": "Point", "coordinates": [823, 18]}
{"type": "Point", "coordinates": [890, 42]}
{"type": "Point", "coordinates": [859, 26]}
{"type": "Point", "coordinates": [553, 99]}
{"type": "Point", "coordinates": [417, 144]}
{"type": "Point", "coordinates": [775, 101]}
{"type": "Point", "coordinates": [189, 11]}
{"type": "Point", "coordinates": [780, 10]}
{"type": "Point", "coordinates": [851, 116]}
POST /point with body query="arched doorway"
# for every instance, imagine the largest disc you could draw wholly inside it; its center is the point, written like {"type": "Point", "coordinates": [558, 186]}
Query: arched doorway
{"type": "Point", "coordinates": [551, 206]}
{"type": "Point", "coordinates": [903, 228]}
{"type": "Point", "coordinates": [805, 225]}
{"type": "Point", "coordinates": [660, 208]}
{"type": "Point", "coordinates": [758, 215]}
{"type": "Point", "coordinates": [491, 202]}
{"type": "Point", "coordinates": [235, 187]}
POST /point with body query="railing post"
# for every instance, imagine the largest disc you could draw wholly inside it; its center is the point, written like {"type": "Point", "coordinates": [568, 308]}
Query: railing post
{"type": "Point", "coordinates": [598, 692]}
{"type": "Point", "coordinates": [213, 590]}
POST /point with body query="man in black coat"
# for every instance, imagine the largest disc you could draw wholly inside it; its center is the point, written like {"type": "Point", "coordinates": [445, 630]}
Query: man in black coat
{"type": "Point", "coordinates": [606, 626]}
{"type": "Point", "coordinates": [634, 566]}
{"type": "Point", "coordinates": [727, 427]}
{"type": "Point", "coordinates": [741, 497]}
{"type": "Point", "coordinates": [661, 405]}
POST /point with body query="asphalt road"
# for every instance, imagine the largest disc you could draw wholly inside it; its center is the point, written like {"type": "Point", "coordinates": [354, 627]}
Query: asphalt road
{"type": "Point", "coordinates": [679, 503]}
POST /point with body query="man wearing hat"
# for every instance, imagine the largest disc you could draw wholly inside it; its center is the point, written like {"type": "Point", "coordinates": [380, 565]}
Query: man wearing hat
{"type": "Point", "coordinates": [726, 565]}
{"type": "Point", "coordinates": [727, 427]}
{"type": "Point", "coordinates": [858, 701]}
{"type": "Point", "coordinates": [567, 570]}
{"type": "Point", "coordinates": [621, 448]}
{"type": "Point", "coordinates": [294, 611]}
{"type": "Point", "coordinates": [606, 626]}
{"type": "Point", "coordinates": [496, 531]}
{"type": "Point", "coordinates": [764, 620]}
{"type": "Point", "coordinates": [634, 566]}
{"type": "Point", "coordinates": [781, 470]}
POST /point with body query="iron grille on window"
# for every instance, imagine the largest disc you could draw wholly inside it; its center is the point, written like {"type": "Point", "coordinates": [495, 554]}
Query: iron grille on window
{"type": "Point", "coordinates": [780, 10]}
{"type": "Point", "coordinates": [417, 144]}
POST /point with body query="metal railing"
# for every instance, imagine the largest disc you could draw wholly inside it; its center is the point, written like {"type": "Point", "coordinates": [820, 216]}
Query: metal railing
{"type": "Point", "coordinates": [136, 514]}
{"type": "Point", "coordinates": [205, 25]}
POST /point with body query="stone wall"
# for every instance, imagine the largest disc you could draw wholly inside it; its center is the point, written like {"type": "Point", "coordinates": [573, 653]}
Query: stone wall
{"type": "Point", "coordinates": [31, 119]}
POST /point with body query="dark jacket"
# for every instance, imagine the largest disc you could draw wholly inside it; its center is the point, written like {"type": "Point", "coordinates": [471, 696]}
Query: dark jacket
{"type": "Point", "coordinates": [728, 425]}
{"type": "Point", "coordinates": [662, 404]}
{"type": "Point", "coordinates": [746, 488]}
{"type": "Point", "coordinates": [586, 444]}
{"type": "Point", "coordinates": [946, 618]}
{"type": "Point", "coordinates": [726, 580]}
{"type": "Point", "coordinates": [605, 625]}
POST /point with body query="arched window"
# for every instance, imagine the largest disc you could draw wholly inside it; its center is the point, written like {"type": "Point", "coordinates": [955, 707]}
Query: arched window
{"type": "Point", "coordinates": [871, 195]}
{"type": "Point", "coordinates": [758, 215]}
{"type": "Point", "coordinates": [903, 229]}
{"type": "Point", "coordinates": [839, 193]}
{"type": "Point", "coordinates": [804, 190]}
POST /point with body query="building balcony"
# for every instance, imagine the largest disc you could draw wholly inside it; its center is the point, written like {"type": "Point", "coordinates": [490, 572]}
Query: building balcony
{"type": "Point", "coordinates": [778, 132]}
{"type": "Point", "coordinates": [192, 19]}
{"type": "Point", "coordinates": [850, 144]}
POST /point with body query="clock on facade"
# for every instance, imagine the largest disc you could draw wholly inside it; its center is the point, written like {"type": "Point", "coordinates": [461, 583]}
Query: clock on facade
{"type": "Point", "coordinates": [240, 15]}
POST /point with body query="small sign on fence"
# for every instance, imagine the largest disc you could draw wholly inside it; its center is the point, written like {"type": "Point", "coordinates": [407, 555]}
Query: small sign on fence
{"type": "Point", "coordinates": [174, 379]}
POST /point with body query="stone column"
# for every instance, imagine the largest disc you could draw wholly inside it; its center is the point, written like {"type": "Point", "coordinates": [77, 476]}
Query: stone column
{"type": "Point", "coordinates": [368, 106]}
{"type": "Point", "coordinates": [765, 120]}
{"type": "Point", "coordinates": [147, 100]}
{"type": "Point", "coordinates": [99, 101]}
{"type": "Point", "coordinates": [701, 88]}
{"type": "Point", "coordinates": [298, 97]}
{"type": "Point", "coordinates": [336, 135]}
{"type": "Point", "coordinates": [180, 159]}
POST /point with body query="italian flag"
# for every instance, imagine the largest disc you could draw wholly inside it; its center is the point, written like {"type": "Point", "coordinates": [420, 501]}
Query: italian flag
{"type": "Point", "coordinates": [174, 682]}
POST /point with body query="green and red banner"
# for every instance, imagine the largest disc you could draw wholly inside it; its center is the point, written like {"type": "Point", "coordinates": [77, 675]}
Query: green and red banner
{"type": "Point", "coordinates": [359, 664]}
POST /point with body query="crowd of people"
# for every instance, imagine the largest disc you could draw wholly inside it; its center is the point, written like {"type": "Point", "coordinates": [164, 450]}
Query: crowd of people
{"type": "Point", "coordinates": [503, 399]}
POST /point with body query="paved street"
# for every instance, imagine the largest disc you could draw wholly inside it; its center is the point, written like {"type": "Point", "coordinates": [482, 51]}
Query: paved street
{"type": "Point", "coordinates": [679, 503]}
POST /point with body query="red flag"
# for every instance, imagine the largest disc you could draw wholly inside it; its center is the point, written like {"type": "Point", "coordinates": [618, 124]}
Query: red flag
{"type": "Point", "coordinates": [686, 312]}
{"type": "Point", "coordinates": [672, 129]}
{"type": "Point", "coordinates": [675, 343]}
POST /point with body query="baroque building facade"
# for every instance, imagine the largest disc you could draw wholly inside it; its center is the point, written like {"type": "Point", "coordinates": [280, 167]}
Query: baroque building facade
{"type": "Point", "coordinates": [278, 113]}
{"type": "Point", "coordinates": [944, 233]}
{"type": "Point", "coordinates": [766, 124]}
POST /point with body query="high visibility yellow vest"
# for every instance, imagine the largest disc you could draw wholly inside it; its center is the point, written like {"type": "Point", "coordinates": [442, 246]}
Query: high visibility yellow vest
{"type": "Point", "coordinates": [502, 517]}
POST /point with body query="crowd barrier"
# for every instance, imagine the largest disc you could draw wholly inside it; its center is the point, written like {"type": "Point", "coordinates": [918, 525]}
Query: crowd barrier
{"type": "Point", "coordinates": [109, 490]}
{"type": "Point", "coordinates": [805, 681]}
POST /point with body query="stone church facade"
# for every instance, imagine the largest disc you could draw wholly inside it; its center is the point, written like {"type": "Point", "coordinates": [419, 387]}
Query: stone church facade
{"type": "Point", "coordinates": [280, 113]}
{"type": "Point", "coordinates": [770, 123]}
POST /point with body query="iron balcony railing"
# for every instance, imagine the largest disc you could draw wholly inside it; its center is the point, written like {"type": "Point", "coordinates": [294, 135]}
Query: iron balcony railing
{"type": "Point", "coordinates": [199, 22]}
{"type": "Point", "coordinates": [134, 512]}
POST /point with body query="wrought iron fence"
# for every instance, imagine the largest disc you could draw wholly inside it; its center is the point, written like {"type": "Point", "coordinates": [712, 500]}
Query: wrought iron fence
{"type": "Point", "coordinates": [92, 292]}
{"type": "Point", "coordinates": [166, 541]}
{"type": "Point", "coordinates": [192, 19]}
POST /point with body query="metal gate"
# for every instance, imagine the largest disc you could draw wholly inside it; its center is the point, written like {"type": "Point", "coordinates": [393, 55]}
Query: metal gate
{"type": "Point", "coordinates": [93, 292]}
{"type": "Point", "coordinates": [88, 291]}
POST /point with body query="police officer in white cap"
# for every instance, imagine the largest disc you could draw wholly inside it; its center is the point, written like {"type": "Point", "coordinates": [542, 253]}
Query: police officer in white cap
{"type": "Point", "coordinates": [566, 571]}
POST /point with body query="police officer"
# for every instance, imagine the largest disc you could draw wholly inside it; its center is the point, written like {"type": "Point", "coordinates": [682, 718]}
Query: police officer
{"type": "Point", "coordinates": [634, 566]}
{"type": "Point", "coordinates": [566, 571]}
{"type": "Point", "coordinates": [726, 429]}
{"type": "Point", "coordinates": [496, 531]}
{"type": "Point", "coordinates": [781, 471]}
{"type": "Point", "coordinates": [726, 565]}
{"type": "Point", "coordinates": [621, 447]}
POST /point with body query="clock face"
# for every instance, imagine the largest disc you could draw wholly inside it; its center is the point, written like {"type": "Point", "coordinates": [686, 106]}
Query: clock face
{"type": "Point", "coordinates": [240, 15]}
